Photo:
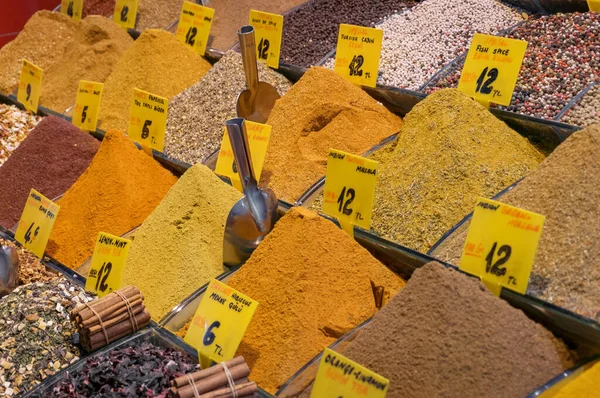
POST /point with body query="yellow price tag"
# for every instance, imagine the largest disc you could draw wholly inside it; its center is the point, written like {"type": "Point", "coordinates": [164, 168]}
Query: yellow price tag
{"type": "Point", "coordinates": [194, 25]}
{"type": "Point", "coordinates": [268, 30]}
{"type": "Point", "coordinates": [338, 376]}
{"type": "Point", "coordinates": [357, 54]}
{"type": "Point", "coordinates": [87, 105]}
{"type": "Point", "coordinates": [258, 138]}
{"type": "Point", "coordinates": [594, 5]}
{"type": "Point", "coordinates": [36, 222]}
{"type": "Point", "coordinates": [220, 323]}
{"type": "Point", "coordinates": [148, 119]}
{"type": "Point", "coordinates": [491, 69]}
{"type": "Point", "coordinates": [350, 188]}
{"type": "Point", "coordinates": [501, 245]}
{"type": "Point", "coordinates": [72, 8]}
{"type": "Point", "coordinates": [30, 86]}
{"type": "Point", "coordinates": [125, 13]}
{"type": "Point", "coordinates": [108, 264]}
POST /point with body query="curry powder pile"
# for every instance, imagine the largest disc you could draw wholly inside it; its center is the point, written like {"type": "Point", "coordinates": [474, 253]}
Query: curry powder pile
{"type": "Point", "coordinates": [119, 189]}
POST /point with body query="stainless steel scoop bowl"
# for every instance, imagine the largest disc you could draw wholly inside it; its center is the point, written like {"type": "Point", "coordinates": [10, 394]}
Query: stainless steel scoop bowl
{"type": "Point", "coordinates": [253, 216]}
{"type": "Point", "coordinates": [257, 100]}
{"type": "Point", "coordinates": [9, 270]}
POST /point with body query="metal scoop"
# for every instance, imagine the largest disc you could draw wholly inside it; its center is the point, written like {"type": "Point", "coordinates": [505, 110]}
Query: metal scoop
{"type": "Point", "coordinates": [253, 216]}
{"type": "Point", "coordinates": [257, 100]}
{"type": "Point", "coordinates": [9, 270]}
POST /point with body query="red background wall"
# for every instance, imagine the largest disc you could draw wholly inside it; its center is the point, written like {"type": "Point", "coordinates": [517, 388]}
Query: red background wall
{"type": "Point", "coordinates": [14, 14]}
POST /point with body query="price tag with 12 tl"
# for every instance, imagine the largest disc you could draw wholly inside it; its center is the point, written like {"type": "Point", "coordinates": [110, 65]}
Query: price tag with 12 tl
{"type": "Point", "coordinates": [87, 105]}
{"type": "Point", "coordinates": [258, 138]}
{"type": "Point", "coordinates": [268, 29]}
{"type": "Point", "coordinates": [194, 25]}
{"type": "Point", "coordinates": [30, 86]}
{"type": "Point", "coordinates": [72, 8]}
{"type": "Point", "coordinates": [501, 245]}
{"type": "Point", "coordinates": [357, 54]}
{"type": "Point", "coordinates": [108, 264]}
{"type": "Point", "coordinates": [37, 220]}
{"type": "Point", "coordinates": [125, 13]}
{"type": "Point", "coordinates": [220, 323]}
{"type": "Point", "coordinates": [148, 119]}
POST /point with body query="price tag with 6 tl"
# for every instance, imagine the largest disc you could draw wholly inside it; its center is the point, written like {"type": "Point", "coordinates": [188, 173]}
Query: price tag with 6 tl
{"type": "Point", "coordinates": [87, 105]}
{"type": "Point", "coordinates": [501, 245]}
{"type": "Point", "coordinates": [30, 86]}
{"type": "Point", "coordinates": [72, 8]}
{"type": "Point", "coordinates": [220, 323]}
{"type": "Point", "coordinates": [125, 13]}
{"type": "Point", "coordinates": [340, 377]}
{"type": "Point", "coordinates": [357, 54]}
{"type": "Point", "coordinates": [108, 264]}
{"type": "Point", "coordinates": [349, 189]}
{"type": "Point", "coordinates": [268, 29]}
{"type": "Point", "coordinates": [194, 25]}
{"type": "Point", "coordinates": [148, 119]}
{"type": "Point", "coordinates": [258, 137]}
{"type": "Point", "coordinates": [491, 69]}
{"type": "Point", "coordinates": [36, 222]}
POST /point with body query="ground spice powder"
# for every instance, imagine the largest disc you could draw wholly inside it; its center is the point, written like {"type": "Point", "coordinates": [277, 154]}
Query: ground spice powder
{"type": "Point", "coordinates": [50, 160]}
{"type": "Point", "coordinates": [156, 62]}
{"type": "Point", "coordinates": [585, 385]}
{"type": "Point", "coordinates": [41, 41]}
{"type": "Point", "coordinates": [321, 111]}
{"type": "Point", "coordinates": [450, 151]}
{"type": "Point", "coordinates": [179, 247]}
{"type": "Point", "coordinates": [94, 51]}
{"type": "Point", "coordinates": [446, 335]}
{"type": "Point", "coordinates": [119, 189]}
{"type": "Point", "coordinates": [564, 188]}
{"type": "Point", "coordinates": [313, 283]}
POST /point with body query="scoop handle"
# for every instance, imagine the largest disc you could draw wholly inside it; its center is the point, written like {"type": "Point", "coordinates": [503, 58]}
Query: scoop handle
{"type": "Point", "coordinates": [248, 49]}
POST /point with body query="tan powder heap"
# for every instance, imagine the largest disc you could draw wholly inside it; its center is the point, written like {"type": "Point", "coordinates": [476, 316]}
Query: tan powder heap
{"type": "Point", "coordinates": [156, 62]}
{"type": "Point", "coordinates": [41, 41]}
{"type": "Point", "coordinates": [94, 51]}
{"type": "Point", "coordinates": [180, 245]}
{"type": "Point", "coordinates": [313, 284]}
{"type": "Point", "coordinates": [158, 14]}
{"type": "Point", "coordinates": [322, 111]}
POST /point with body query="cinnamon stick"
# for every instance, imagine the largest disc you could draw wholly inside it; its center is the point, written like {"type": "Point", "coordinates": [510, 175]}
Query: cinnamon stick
{"type": "Point", "coordinates": [111, 319]}
{"type": "Point", "coordinates": [215, 381]}
{"type": "Point", "coordinates": [88, 315]}
{"type": "Point", "coordinates": [107, 301]}
{"type": "Point", "coordinates": [243, 390]}
{"type": "Point", "coordinates": [126, 325]}
{"type": "Point", "coordinates": [183, 380]}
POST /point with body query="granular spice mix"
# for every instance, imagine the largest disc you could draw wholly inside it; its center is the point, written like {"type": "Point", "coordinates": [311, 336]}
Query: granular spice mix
{"type": "Point", "coordinates": [587, 111]}
{"type": "Point", "coordinates": [137, 370]}
{"type": "Point", "coordinates": [321, 111]}
{"type": "Point", "coordinates": [42, 41]}
{"type": "Point", "coordinates": [38, 338]}
{"type": "Point", "coordinates": [445, 334]}
{"type": "Point", "coordinates": [116, 193]}
{"type": "Point", "coordinates": [15, 125]}
{"type": "Point", "coordinates": [197, 115]}
{"type": "Point", "coordinates": [99, 7]}
{"type": "Point", "coordinates": [564, 188]}
{"type": "Point", "coordinates": [450, 151]}
{"type": "Point", "coordinates": [179, 247]}
{"type": "Point", "coordinates": [156, 62]}
{"type": "Point", "coordinates": [311, 278]}
{"type": "Point", "coordinates": [49, 160]}
{"type": "Point", "coordinates": [97, 45]}
{"type": "Point", "coordinates": [31, 268]}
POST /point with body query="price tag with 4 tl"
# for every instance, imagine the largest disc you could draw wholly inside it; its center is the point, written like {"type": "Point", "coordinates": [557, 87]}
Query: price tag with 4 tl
{"type": "Point", "coordinates": [220, 323]}
{"type": "Point", "coordinates": [194, 25]}
{"type": "Point", "coordinates": [87, 105]}
{"type": "Point", "coordinates": [349, 189]}
{"type": "Point", "coordinates": [30, 86]}
{"type": "Point", "coordinates": [258, 138]}
{"type": "Point", "coordinates": [491, 69]}
{"type": "Point", "coordinates": [268, 29]}
{"type": "Point", "coordinates": [108, 264]}
{"type": "Point", "coordinates": [72, 8]}
{"type": "Point", "coordinates": [340, 377]}
{"type": "Point", "coordinates": [36, 222]}
{"type": "Point", "coordinates": [125, 13]}
{"type": "Point", "coordinates": [148, 119]}
{"type": "Point", "coordinates": [357, 54]}
{"type": "Point", "coordinates": [501, 245]}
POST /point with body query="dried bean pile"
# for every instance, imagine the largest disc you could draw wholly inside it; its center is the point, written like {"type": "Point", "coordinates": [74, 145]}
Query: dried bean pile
{"type": "Point", "coordinates": [563, 57]}
{"type": "Point", "coordinates": [15, 125]}
{"type": "Point", "coordinates": [587, 111]}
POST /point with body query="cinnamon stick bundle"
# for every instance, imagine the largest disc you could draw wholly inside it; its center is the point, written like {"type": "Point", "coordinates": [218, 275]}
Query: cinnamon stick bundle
{"type": "Point", "coordinates": [110, 316]}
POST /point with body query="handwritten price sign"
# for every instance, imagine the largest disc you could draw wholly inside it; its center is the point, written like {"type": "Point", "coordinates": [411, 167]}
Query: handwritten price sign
{"type": "Point", "coordinates": [148, 119]}
{"type": "Point", "coordinates": [269, 31]}
{"type": "Point", "coordinates": [30, 86]}
{"type": "Point", "coordinates": [87, 105]}
{"type": "Point", "coordinates": [358, 53]}
{"type": "Point", "coordinates": [194, 25]}
{"type": "Point", "coordinates": [108, 264]}
{"type": "Point", "coordinates": [36, 223]}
